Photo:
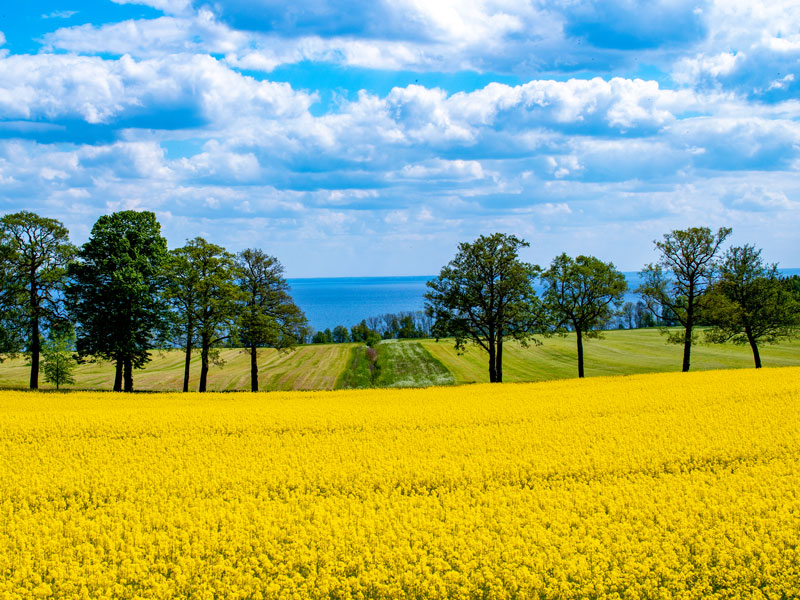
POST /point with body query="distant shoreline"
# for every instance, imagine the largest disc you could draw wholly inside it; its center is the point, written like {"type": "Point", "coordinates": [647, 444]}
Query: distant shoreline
{"type": "Point", "coordinates": [331, 301]}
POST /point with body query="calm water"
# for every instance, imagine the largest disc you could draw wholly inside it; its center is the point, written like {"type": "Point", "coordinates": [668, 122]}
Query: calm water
{"type": "Point", "coordinates": [328, 302]}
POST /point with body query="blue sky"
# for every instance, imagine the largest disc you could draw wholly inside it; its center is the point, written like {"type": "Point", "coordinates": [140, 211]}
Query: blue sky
{"type": "Point", "coordinates": [359, 139]}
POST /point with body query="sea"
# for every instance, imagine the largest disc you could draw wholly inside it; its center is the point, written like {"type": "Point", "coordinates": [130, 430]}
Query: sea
{"type": "Point", "coordinates": [328, 302]}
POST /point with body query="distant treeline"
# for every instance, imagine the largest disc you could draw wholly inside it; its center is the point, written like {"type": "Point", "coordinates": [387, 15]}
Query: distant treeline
{"type": "Point", "coordinates": [123, 293]}
{"type": "Point", "coordinates": [402, 325]}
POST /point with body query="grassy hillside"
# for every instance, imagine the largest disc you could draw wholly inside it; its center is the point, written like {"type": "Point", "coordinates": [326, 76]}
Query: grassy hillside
{"type": "Point", "coordinates": [620, 352]}
{"type": "Point", "coordinates": [304, 368]}
{"type": "Point", "coordinates": [419, 363]}
{"type": "Point", "coordinates": [394, 363]}
{"type": "Point", "coordinates": [409, 364]}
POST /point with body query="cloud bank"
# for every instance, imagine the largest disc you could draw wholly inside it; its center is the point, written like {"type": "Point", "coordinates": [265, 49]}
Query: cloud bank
{"type": "Point", "coordinates": [594, 128]}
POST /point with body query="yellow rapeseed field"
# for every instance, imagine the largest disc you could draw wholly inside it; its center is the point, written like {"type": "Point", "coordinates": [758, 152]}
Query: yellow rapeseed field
{"type": "Point", "coordinates": [659, 486]}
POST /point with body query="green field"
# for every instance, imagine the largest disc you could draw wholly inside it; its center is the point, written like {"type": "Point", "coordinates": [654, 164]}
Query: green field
{"type": "Point", "coordinates": [619, 352]}
{"type": "Point", "coordinates": [419, 363]}
{"type": "Point", "coordinates": [310, 367]}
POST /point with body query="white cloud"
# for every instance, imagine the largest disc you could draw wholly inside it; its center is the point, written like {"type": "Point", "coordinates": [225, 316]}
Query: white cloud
{"type": "Point", "coordinates": [60, 14]}
{"type": "Point", "coordinates": [168, 6]}
{"type": "Point", "coordinates": [150, 37]}
{"type": "Point", "coordinates": [97, 91]}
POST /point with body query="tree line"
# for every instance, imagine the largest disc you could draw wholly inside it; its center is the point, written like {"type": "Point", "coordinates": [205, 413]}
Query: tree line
{"type": "Point", "coordinates": [123, 293]}
{"type": "Point", "coordinates": [398, 326]}
{"type": "Point", "coordinates": [486, 296]}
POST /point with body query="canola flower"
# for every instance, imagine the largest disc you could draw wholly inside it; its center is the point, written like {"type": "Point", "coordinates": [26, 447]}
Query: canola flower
{"type": "Point", "coordinates": [656, 486]}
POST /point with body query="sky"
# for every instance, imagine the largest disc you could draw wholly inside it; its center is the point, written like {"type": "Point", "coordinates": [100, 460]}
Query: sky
{"type": "Point", "coordinates": [370, 138]}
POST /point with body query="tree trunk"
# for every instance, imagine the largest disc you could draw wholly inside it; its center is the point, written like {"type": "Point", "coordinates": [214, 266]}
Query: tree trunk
{"type": "Point", "coordinates": [579, 337]}
{"type": "Point", "coordinates": [188, 356]}
{"type": "Point", "coordinates": [203, 364]}
{"type": "Point", "coordinates": [128, 375]}
{"type": "Point", "coordinates": [118, 376]}
{"type": "Point", "coordinates": [754, 346]}
{"type": "Point", "coordinates": [498, 370]}
{"type": "Point", "coordinates": [253, 369]}
{"type": "Point", "coordinates": [687, 334]}
{"type": "Point", "coordinates": [492, 363]}
{"type": "Point", "coordinates": [687, 348]}
{"type": "Point", "coordinates": [35, 342]}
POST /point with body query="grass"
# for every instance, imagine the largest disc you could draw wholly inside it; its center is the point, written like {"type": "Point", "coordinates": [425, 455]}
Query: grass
{"type": "Point", "coordinates": [359, 370]}
{"type": "Point", "coordinates": [409, 364]}
{"type": "Point", "coordinates": [419, 363]}
{"type": "Point", "coordinates": [620, 352]}
{"type": "Point", "coordinates": [313, 367]}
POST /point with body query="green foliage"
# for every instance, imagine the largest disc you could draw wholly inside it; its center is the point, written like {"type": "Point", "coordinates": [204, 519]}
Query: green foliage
{"type": "Point", "coordinates": [35, 252]}
{"type": "Point", "coordinates": [675, 286]}
{"type": "Point", "coordinates": [340, 335]}
{"type": "Point", "coordinates": [322, 337]}
{"type": "Point", "coordinates": [268, 317]}
{"type": "Point", "coordinates": [748, 302]}
{"type": "Point", "coordinates": [362, 333]}
{"type": "Point", "coordinates": [484, 296]}
{"type": "Point", "coordinates": [12, 340]}
{"type": "Point", "coordinates": [115, 291]}
{"type": "Point", "coordinates": [579, 294]}
{"type": "Point", "coordinates": [206, 298]}
{"type": "Point", "coordinates": [58, 360]}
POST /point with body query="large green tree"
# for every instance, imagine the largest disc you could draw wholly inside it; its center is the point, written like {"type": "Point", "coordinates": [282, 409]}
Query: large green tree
{"type": "Point", "coordinates": [35, 252]}
{"type": "Point", "coordinates": [579, 294]}
{"type": "Point", "coordinates": [268, 317]}
{"type": "Point", "coordinates": [12, 322]}
{"type": "Point", "coordinates": [485, 295]}
{"type": "Point", "coordinates": [206, 300]}
{"type": "Point", "coordinates": [749, 303]}
{"type": "Point", "coordinates": [677, 283]}
{"type": "Point", "coordinates": [115, 292]}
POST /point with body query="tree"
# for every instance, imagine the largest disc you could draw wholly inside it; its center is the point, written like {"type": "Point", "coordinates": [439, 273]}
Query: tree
{"type": "Point", "coordinates": [485, 295]}
{"type": "Point", "coordinates": [115, 291]}
{"type": "Point", "coordinates": [579, 293]}
{"type": "Point", "coordinates": [627, 314]}
{"type": "Point", "coordinates": [748, 302]}
{"type": "Point", "coordinates": [181, 293]}
{"type": "Point", "coordinates": [363, 333]}
{"type": "Point", "coordinates": [35, 253]}
{"type": "Point", "coordinates": [58, 361]}
{"type": "Point", "coordinates": [340, 334]}
{"type": "Point", "coordinates": [643, 317]}
{"type": "Point", "coordinates": [211, 271]}
{"type": "Point", "coordinates": [269, 316]}
{"type": "Point", "coordinates": [12, 321]}
{"type": "Point", "coordinates": [679, 280]}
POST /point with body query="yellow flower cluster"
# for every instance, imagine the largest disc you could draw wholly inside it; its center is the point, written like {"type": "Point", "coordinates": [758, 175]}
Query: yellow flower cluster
{"type": "Point", "coordinates": [657, 486]}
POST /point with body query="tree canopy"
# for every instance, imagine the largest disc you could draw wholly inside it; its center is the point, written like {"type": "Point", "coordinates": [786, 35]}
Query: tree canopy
{"type": "Point", "coordinates": [485, 295]}
{"type": "Point", "coordinates": [749, 303]}
{"type": "Point", "coordinates": [115, 291]}
{"type": "Point", "coordinates": [678, 281]}
{"type": "Point", "coordinates": [268, 316]}
{"type": "Point", "coordinates": [211, 276]}
{"type": "Point", "coordinates": [35, 252]}
{"type": "Point", "coordinates": [181, 293]}
{"type": "Point", "coordinates": [579, 294]}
